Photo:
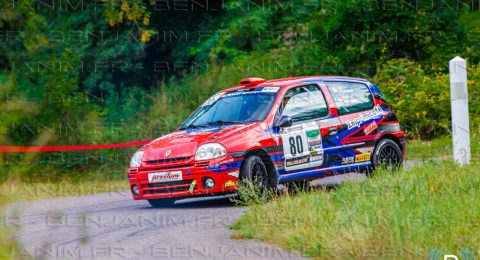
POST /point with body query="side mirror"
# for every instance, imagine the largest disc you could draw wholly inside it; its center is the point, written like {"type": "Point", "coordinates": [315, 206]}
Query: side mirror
{"type": "Point", "coordinates": [283, 121]}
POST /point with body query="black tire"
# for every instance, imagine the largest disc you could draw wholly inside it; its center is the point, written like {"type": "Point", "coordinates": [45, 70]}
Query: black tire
{"type": "Point", "coordinates": [161, 203]}
{"type": "Point", "coordinates": [253, 170]}
{"type": "Point", "coordinates": [387, 153]}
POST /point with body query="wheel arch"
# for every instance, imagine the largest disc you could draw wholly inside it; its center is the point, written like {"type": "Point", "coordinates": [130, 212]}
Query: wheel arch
{"type": "Point", "coordinates": [265, 157]}
{"type": "Point", "coordinates": [391, 137]}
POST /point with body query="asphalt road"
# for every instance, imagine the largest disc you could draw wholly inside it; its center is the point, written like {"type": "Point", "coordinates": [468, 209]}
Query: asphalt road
{"type": "Point", "coordinates": [113, 226]}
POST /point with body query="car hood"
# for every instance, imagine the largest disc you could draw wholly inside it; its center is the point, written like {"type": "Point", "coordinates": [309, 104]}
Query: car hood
{"type": "Point", "coordinates": [184, 143]}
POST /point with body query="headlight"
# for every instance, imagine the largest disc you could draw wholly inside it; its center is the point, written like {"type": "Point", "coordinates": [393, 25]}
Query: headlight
{"type": "Point", "coordinates": [136, 159]}
{"type": "Point", "coordinates": [210, 151]}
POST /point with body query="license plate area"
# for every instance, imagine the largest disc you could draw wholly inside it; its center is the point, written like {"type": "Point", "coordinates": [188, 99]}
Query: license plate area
{"type": "Point", "coordinates": [158, 177]}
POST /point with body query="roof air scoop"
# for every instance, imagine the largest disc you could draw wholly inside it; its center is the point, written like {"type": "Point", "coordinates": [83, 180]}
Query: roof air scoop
{"type": "Point", "coordinates": [251, 82]}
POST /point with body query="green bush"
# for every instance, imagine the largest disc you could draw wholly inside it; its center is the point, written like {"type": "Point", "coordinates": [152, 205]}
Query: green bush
{"type": "Point", "coordinates": [422, 100]}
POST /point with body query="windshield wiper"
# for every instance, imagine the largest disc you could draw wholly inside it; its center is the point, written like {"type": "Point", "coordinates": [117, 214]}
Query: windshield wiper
{"type": "Point", "coordinates": [192, 126]}
{"type": "Point", "coordinates": [223, 122]}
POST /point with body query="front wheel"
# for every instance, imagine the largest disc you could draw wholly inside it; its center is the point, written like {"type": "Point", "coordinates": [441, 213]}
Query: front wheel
{"type": "Point", "coordinates": [161, 203]}
{"type": "Point", "coordinates": [254, 181]}
{"type": "Point", "coordinates": [387, 153]}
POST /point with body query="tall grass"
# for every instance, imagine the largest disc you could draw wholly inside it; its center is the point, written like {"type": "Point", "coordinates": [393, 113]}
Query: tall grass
{"type": "Point", "coordinates": [403, 214]}
{"type": "Point", "coordinates": [439, 148]}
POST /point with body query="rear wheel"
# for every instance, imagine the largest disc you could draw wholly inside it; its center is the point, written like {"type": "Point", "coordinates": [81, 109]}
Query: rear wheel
{"type": "Point", "coordinates": [161, 203]}
{"type": "Point", "coordinates": [387, 153]}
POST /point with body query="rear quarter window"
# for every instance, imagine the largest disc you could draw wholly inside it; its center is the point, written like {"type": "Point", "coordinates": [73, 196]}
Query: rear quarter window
{"type": "Point", "coordinates": [350, 97]}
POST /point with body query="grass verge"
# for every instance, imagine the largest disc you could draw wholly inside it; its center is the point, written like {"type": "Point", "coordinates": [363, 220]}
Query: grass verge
{"type": "Point", "coordinates": [440, 148]}
{"type": "Point", "coordinates": [404, 214]}
{"type": "Point", "coordinates": [426, 150]}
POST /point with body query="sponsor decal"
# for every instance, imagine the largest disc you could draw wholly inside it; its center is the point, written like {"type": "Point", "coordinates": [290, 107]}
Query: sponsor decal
{"type": "Point", "coordinates": [242, 92]}
{"type": "Point", "coordinates": [271, 89]}
{"type": "Point", "coordinates": [181, 140]}
{"type": "Point", "coordinates": [313, 133]}
{"type": "Point", "coordinates": [223, 162]}
{"type": "Point", "coordinates": [164, 176]}
{"type": "Point", "coordinates": [226, 161]}
{"type": "Point", "coordinates": [362, 157]}
{"type": "Point", "coordinates": [234, 174]}
{"type": "Point", "coordinates": [229, 184]}
{"type": "Point", "coordinates": [370, 128]}
{"type": "Point", "coordinates": [297, 161]}
{"type": "Point", "coordinates": [315, 158]}
{"type": "Point", "coordinates": [365, 116]}
{"type": "Point", "coordinates": [348, 160]}
{"type": "Point", "coordinates": [192, 186]}
{"type": "Point", "coordinates": [313, 137]}
{"type": "Point", "coordinates": [213, 99]}
{"type": "Point", "coordinates": [313, 152]}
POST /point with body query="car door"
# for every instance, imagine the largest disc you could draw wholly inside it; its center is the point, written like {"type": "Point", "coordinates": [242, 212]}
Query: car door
{"type": "Point", "coordinates": [303, 141]}
{"type": "Point", "coordinates": [360, 118]}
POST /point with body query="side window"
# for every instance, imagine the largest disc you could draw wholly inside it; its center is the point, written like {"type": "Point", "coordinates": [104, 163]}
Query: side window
{"type": "Point", "coordinates": [304, 103]}
{"type": "Point", "coordinates": [350, 97]}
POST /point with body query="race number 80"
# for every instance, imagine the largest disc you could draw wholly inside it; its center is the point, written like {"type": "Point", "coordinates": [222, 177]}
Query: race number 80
{"type": "Point", "coordinates": [296, 144]}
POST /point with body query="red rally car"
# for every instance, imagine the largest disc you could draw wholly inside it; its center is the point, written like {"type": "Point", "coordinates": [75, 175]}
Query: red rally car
{"type": "Point", "coordinates": [270, 132]}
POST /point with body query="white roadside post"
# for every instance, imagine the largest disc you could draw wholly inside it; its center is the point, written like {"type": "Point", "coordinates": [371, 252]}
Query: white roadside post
{"type": "Point", "coordinates": [459, 99]}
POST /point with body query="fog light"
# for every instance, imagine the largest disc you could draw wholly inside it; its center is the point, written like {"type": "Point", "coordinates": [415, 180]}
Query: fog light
{"type": "Point", "coordinates": [209, 183]}
{"type": "Point", "coordinates": [135, 190]}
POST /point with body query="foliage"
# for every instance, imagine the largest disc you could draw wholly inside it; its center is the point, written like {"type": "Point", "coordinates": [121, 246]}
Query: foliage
{"type": "Point", "coordinates": [422, 100]}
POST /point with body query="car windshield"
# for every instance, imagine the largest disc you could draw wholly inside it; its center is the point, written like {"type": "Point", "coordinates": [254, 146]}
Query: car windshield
{"type": "Point", "coordinates": [235, 107]}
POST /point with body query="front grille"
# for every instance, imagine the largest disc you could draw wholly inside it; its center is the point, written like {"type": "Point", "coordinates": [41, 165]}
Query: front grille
{"type": "Point", "coordinates": [170, 160]}
{"type": "Point", "coordinates": [170, 163]}
{"type": "Point", "coordinates": [174, 163]}
{"type": "Point", "coordinates": [166, 187]}
{"type": "Point", "coordinates": [170, 167]}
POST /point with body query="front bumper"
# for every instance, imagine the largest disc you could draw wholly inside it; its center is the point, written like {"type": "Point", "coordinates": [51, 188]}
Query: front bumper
{"type": "Point", "coordinates": [224, 172]}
